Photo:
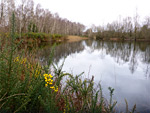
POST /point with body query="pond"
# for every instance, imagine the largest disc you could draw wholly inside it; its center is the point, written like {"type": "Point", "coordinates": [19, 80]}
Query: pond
{"type": "Point", "coordinates": [125, 66]}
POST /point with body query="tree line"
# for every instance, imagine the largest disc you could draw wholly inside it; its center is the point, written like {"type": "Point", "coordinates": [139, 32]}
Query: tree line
{"type": "Point", "coordinates": [123, 28]}
{"type": "Point", "coordinates": [31, 18]}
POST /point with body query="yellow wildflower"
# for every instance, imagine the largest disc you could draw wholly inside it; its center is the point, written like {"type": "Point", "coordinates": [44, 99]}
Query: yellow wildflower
{"type": "Point", "coordinates": [50, 76]}
{"type": "Point", "coordinates": [23, 61]}
{"type": "Point", "coordinates": [16, 59]}
{"type": "Point", "coordinates": [46, 85]}
{"type": "Point", "coordinates": [52, 87]}
{"type": "Point", "coordinates": [37, 73]}
{"type": "Point", "coordinates": [56, 90]}
{"type": "Point", "coordinates": [49, 80]}
{"type": "Point", "coordinates": [45, 75]}
{"type": "Point", "coordinates": [50, 83]}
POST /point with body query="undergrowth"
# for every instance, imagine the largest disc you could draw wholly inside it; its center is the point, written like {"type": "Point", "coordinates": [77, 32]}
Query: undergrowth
{"type": "Point", "coordinates": [34, 36]}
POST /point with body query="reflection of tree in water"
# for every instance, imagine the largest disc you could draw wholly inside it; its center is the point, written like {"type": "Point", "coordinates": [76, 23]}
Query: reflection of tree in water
{"type": "Point", "coordinates": [120, 51]}
{"type": "Point", "coordinates": [146, 58]}
{"type": "Point", "coordinates": [124, 52]}
{"type": "Point", "coordinates": [147, 71]}
{"type": "Point", "coordinates": [61, 51]}
{"type": "Point", "coordinates": [133, 62]}
{"type": "Point", "coordinates": [66, 49]}
{"type": "Point", "coordinates": [146, 55]}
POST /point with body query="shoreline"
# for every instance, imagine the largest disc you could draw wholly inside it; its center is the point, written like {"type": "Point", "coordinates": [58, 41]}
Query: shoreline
{"type": "Point", "coordinates": [72, 38]}
{"type": "Point", "coordinates": [126, 39]}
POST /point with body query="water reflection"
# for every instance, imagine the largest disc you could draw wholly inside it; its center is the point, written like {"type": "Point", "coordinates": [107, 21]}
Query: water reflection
{"type": "Point", "coordinates": [60, 52]}
{"type": "Point", "coordinates": [124, 66]}
{"type": "Point", "coordinates": [123, 52]}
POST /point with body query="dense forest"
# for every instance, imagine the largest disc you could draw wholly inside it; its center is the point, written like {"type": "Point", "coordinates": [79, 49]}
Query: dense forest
{"type": "Point", "coordinates": [31, 18]}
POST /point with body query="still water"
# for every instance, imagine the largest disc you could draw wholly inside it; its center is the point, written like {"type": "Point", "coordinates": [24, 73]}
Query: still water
{"type": "Point", "coordinates": [124, 66]}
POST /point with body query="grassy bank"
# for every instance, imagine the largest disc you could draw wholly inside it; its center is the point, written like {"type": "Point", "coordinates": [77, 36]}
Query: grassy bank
{"type": "Point", "coordinates": [31, 37]}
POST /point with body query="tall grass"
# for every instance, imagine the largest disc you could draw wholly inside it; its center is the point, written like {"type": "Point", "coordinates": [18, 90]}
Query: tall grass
{"type": "Point", "coordinates": [28, 87]}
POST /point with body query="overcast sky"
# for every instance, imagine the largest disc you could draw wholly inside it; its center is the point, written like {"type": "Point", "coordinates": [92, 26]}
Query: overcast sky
{"type": "Point", "coordinates": [96, 12]}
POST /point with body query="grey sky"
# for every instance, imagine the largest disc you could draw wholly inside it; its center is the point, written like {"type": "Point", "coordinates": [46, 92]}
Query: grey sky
{"type": "Point", "coordinates": [96, 12]}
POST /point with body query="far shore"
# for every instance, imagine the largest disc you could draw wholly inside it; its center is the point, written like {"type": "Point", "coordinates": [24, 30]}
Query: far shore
{"type": "Point", "coordinates": [126, 39]}
{"type": "Point", "coordinates": [72, 38]}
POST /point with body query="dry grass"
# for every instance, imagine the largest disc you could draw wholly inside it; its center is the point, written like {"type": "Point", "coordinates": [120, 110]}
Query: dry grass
{"type": "Point", "coordinates": [75, 38]}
